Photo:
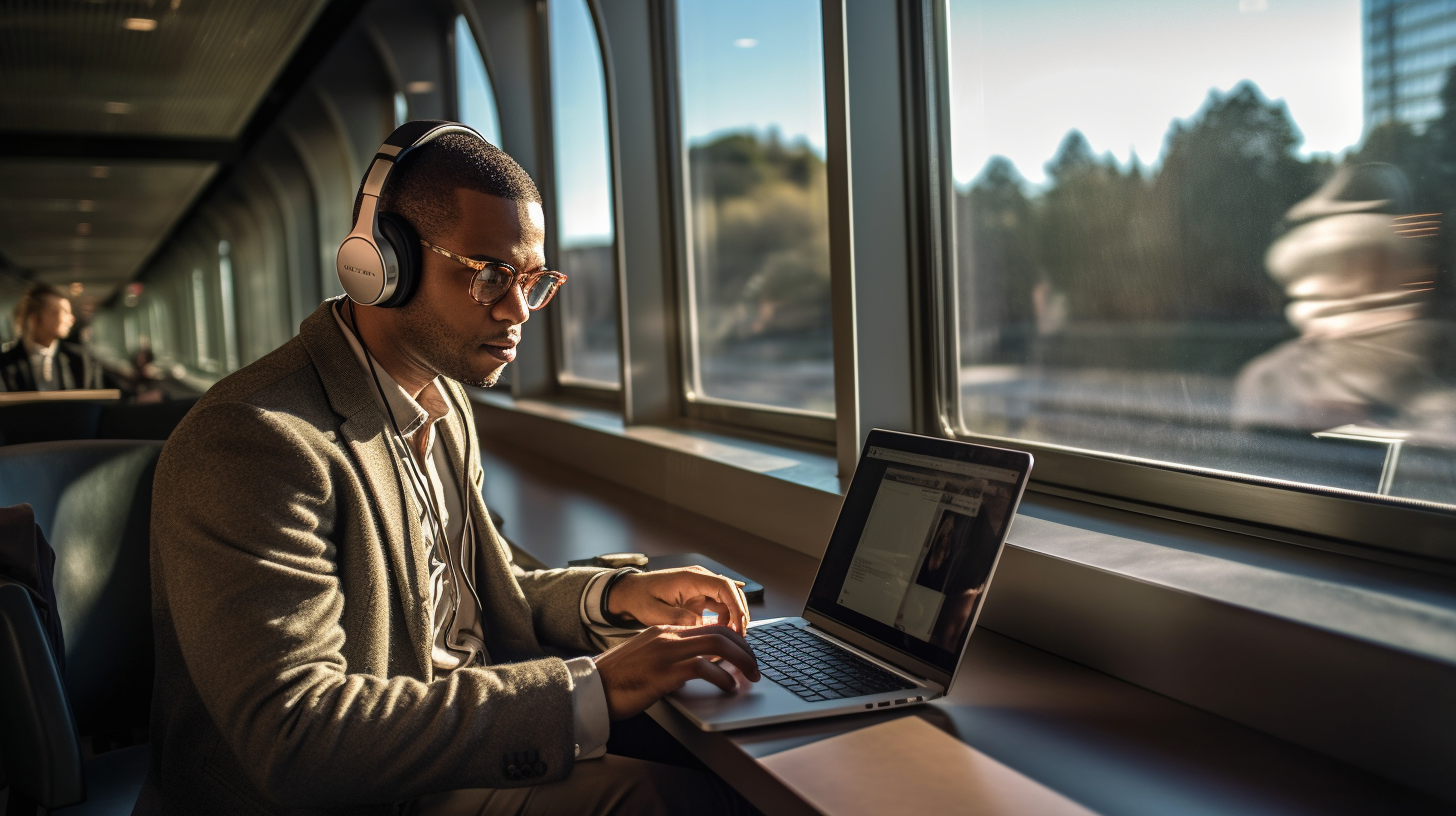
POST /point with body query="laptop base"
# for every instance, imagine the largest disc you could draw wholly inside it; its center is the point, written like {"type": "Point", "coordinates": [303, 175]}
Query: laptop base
{"type": "Point", "coordinates": [767, 702]}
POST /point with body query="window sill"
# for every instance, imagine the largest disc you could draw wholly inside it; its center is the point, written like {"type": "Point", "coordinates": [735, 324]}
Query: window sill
{"type": "Point", "coordinates": [788, 496]}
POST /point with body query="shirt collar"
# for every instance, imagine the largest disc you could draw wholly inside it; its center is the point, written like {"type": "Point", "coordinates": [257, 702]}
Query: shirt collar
{"type": "Point", "coordinates": [411, 414]}
{"type": "Point", "coordinates": [34, 349]}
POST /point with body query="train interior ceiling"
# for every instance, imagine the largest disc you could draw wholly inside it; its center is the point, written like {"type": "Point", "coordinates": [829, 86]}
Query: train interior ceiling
{"type": "Point", "coordinates": [1204, 276]}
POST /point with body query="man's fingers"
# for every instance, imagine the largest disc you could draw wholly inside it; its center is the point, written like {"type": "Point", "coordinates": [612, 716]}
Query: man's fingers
{"type": "Point", "coordinates": [719, 641]}
{"type": "Point", "coordinates": [742, 599]}
{"type": "Point", "coordinates": [706, 669]}
{"type": "Point", "coordinates": [716, 607]}
{"type": "Point", "coordinates": [726, 592]}
{"type": "Point", "coordinates": [680, 616]}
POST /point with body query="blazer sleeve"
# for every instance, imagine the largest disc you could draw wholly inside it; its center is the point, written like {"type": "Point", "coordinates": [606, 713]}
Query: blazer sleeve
{"type": "Point", "coordinates": [246, 508]}
{"type": "Point", "coordinates": [555, 598]}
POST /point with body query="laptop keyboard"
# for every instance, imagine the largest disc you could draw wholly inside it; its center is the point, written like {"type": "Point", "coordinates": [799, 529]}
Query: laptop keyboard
{"type": "Point", "coordinates": [815, 669]}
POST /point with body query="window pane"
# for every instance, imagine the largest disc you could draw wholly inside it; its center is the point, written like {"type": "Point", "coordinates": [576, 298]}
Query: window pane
{"type": "Point", "coordinates": [228, 306]}
{"type": "Point", "coordinates": [752, 85]}
{"type": "Point", "coordinates": [476, 96]}
{"type": "Point", "coordinates": [587, 304]}
{"type": "Point", "coordinates": [202, 342]}
{"type": "Point", "coordinates": [1181, 237]}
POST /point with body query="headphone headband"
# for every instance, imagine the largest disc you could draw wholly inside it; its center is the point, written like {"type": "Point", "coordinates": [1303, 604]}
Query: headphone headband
{"type": "Point", "coordinates": [373, 268]}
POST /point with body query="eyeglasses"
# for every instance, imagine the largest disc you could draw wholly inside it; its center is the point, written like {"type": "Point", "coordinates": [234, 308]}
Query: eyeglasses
{"type": "Point", "coordinates": [493, 279]}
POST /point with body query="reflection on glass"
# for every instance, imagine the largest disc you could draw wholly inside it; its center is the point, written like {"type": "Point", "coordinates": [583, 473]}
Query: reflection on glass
{"type": "Point", "coordinates": [227, 292]}
{"type": "Point", "coordinates": [752, 98]}
{"type": "Point", "coordinates": [588, 306]}
{"type": "Point", "coordinates": [475, 97]}
{"type": "Point", "coordinates": [1262, 286]}
{"type": "Point", "coordinates": [201, 348]}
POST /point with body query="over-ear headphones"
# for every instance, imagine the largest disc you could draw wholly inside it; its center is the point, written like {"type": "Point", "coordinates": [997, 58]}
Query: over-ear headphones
{"type": "Point", "coordinates": [379, 263]}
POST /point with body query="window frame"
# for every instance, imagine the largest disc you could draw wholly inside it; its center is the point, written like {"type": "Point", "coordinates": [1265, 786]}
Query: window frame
{"type": "Point", "coordinates": [1404, 531]}
{"type": "Point", "coordinates": [565, 383]}
{"type": "Point", "coordinates": [812, 426]}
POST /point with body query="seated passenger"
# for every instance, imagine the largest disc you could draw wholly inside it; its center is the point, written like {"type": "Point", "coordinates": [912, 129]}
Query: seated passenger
{"type": "Point", "coordinates": [339, 627]}
{"type": "Point", "coordinates": [40, 359]}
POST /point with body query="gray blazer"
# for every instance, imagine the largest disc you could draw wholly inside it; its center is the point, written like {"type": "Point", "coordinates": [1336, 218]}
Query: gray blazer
{"type": "Point", "coordinates": [289, 606]}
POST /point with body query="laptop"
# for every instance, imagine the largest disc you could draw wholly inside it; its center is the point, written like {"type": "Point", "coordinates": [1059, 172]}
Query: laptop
{"type": "Point", "coordinates": [901, 584]}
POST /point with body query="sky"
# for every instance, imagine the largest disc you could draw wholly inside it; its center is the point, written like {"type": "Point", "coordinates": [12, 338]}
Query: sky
{"type": "Point", "coordinates": [751, 65]}
{"type": "Point", "coordinates": [1024, 73]}
{"type": "Point", "coordinates": [745, 65]}
{"type": "Point", "coordinates": [579, 122]}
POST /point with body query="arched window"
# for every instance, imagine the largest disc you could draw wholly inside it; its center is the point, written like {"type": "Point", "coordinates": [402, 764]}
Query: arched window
{"type": "Point", "coordinates": [475, 98]}
{"type": "Point", "coordinates": [585, 229]}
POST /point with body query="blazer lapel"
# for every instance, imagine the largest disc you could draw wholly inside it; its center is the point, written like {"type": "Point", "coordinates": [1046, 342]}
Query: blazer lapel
{"type": "Point", "coordinates": [17, 364]}
{"type": "Point", "coordinates": [365, 432]}
{"type": "Point", "coordinates": [63, 368]}
{"type": "Point", "coordinates": [398, 513]}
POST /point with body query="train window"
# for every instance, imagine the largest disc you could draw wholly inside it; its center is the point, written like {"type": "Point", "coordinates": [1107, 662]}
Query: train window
{"type": "Point", "coordinates": [228, 305]}
{"type": "Point", "coordinates": [401, 109]}
{"type": "Point", "coordinates": [585, 228]}
{"type": "Point", "coordinates": [159, 322]}
{"type": "Point", "coordinates": [1181, 238]}
{"type": "Point", "coordinates": [202, 349]}
{"type": "Point", "coordinates": [752, 128]}
{"type": "Point", "coordinates": [475, 97]}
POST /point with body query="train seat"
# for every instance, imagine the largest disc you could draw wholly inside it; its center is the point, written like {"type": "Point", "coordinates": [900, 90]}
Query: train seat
{"type": "Point", "coordinates": [53, 420]}
{"type": "Point", "coordinates": [143, 421]}
{"type": "Point", "coordinates": [92, 499]}
{"type": "Point", "coordinates": [49, 420]}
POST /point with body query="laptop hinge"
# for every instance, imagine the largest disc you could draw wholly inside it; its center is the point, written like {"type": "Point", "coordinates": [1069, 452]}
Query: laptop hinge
{"type": "Point", "coordinates": [910, 665]}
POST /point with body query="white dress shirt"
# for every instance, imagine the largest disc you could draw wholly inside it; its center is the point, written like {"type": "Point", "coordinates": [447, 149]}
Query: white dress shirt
{"type": "Point", "coordinates": [458, 629]}
{"type": "Point", "coordinates": [43, 364]}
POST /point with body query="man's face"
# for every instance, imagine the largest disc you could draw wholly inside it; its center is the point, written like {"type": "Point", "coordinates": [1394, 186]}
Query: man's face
{"type": "Point", "coordinates": [53, 321]}
{"type": "Point", "coordinates": [442, 324]}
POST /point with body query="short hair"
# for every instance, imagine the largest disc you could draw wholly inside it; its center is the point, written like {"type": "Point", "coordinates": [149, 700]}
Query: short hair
{"type": "Point", "coordinates": [421, 186]}
{"type": "Point", "coordinates": [31, 303]}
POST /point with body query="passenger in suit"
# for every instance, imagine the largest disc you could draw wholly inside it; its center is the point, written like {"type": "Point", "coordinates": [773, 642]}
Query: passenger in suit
{"type": "Point", "coordinates": [340, 628]}
{"type": "Point", "coordinates": [40, 359]}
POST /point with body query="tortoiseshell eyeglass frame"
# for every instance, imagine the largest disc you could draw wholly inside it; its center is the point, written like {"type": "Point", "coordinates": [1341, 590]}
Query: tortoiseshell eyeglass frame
{"type": "Point", "coordinates": [526, 282]}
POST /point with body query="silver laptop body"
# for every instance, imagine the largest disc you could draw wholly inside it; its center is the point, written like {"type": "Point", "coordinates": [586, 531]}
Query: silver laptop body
{"type": "Point", "coordinates": [900, 587]}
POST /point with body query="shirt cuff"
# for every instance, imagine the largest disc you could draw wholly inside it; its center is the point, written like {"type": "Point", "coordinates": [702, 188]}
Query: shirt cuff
{"type": "Point", "coordinates": [591, 604]}
{"type": "Point", "coordinates": [589, 704]}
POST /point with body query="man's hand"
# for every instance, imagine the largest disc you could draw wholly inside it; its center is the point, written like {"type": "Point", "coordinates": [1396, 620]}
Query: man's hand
{"type": "Point", "coordinates": [677, 597]}
{"type": "Point", "coordinates": [661, 659]}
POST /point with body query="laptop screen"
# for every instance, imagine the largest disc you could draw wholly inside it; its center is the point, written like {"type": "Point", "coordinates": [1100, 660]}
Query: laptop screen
{"type": "Point", "coordinates": [916, 541]}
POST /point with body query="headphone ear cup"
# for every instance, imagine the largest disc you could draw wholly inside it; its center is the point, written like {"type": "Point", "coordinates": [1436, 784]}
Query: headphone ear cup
{"type": "Point", "coordinates": [406, 243]}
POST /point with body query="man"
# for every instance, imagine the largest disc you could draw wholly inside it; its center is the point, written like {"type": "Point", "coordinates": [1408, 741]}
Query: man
{"type": "Point", "coordinates": [339, 626]}
{"type": "Point", "coordinates": [40, 360]}
{"type": "Point", "coordinates": [1360, 280]}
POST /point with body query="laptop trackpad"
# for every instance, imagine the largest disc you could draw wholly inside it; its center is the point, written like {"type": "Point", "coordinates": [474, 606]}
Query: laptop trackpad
{"type": "Point", "coordinates": [764, 698]}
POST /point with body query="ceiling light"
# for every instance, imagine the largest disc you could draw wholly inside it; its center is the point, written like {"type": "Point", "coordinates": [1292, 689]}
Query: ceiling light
{"type": "Point", "coordinates": [117, 107]}
{"type": "Point", "coordinates": [100, 172]}
{"type": "Point", "coordinates": [77, 288]}
{"type": "Point", "coordinates": [83, 228]}
{"type": "Point", "coordinates": [85, 205]}
{"type": "Point", "coordinates": [419, 87]}
{"type": "Point", "coordinates": [139, 24]}
{"type": "Point", "coordinates": [745, 42]}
